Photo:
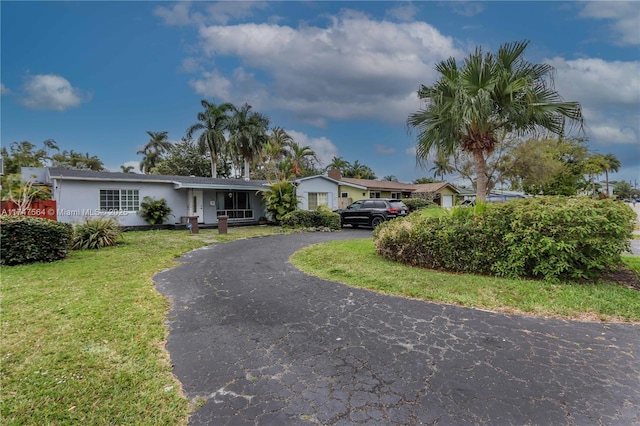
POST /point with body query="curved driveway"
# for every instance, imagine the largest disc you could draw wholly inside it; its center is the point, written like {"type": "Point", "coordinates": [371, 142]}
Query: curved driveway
{"type": "Point", "coordinates": [257, 342]}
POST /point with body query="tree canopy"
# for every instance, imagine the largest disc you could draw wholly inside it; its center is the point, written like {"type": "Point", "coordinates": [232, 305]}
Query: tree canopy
{"type": "Point", "coordinates": [488, 93]}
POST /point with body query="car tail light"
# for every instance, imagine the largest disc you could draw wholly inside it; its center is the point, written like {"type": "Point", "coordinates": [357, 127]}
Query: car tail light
{"type": "Point", "coordinates": [393, 210]}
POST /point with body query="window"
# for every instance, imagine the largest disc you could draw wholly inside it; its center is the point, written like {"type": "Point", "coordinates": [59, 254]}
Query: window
{"type": "Point", "coordinates": [374, 194]}
{"type": "Point", "coordinates": [120, 199]}
{"type": "Point", "coordinates": [235, 205]}
{"type": "Point", "coordinates": [396, 195]}
{"type": "Point", "coordinates": [317, 199]}
{"type": "Point", "coordinates": [344, 195]}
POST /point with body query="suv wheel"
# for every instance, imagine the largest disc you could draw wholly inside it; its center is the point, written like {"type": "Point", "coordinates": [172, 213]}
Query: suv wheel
{"type": "Point", "coordinates": [376, 221]}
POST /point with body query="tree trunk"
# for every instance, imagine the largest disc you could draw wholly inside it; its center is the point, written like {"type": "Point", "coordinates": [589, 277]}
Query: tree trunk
{"type": "Point", "coordinates": [480, 165]}
{"type": "Point", "coordinates": [607, 175]}
{"type": "Point", "coordinates": [246, 168]}
{"type": "Point", "coordinates": [214, 171]}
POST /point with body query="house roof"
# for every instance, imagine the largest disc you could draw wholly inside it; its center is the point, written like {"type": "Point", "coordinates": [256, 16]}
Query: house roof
{"type": "Point", "coordinates": [433, 187]}
{"type": "Point", "coordinates": [383, 185]}
{"type": "Point", "coordinates": [178, 181]}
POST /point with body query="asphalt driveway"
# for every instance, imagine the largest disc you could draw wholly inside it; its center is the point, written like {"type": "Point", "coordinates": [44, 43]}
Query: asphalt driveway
{"type": "Point", "coordinates": [257, 342]}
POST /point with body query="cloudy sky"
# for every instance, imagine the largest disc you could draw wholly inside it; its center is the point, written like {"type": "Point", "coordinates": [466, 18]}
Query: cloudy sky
{"type": "Point", "coordinates": [340, 77]}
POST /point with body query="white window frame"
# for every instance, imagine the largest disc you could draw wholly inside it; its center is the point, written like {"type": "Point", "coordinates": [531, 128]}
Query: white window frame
{"type": "Point", "coordinates": [317, 199]}
{"type": "Point", "coordinates": [396, 195]}
{"type": "Point", "coordinates": [375, 194]}
{"type": "Point", "coordinates": [127, 200]}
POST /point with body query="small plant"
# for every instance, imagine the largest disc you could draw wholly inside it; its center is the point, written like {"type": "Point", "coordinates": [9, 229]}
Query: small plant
{"type": "Point", "coordinates": [281, 199]}
{"type": "Point", "coordinates": [155, 212]}
{"type": "Point", "coordinates": [30, 239]}
{"type": "Point", "coordinates": [96, 233]}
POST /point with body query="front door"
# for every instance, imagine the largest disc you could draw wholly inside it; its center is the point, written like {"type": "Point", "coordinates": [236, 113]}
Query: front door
{"type": "Point", "coordinates": [197, 204]}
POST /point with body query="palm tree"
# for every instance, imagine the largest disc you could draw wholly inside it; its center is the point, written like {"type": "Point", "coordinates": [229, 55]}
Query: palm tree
{"type": "Point", "coordinates": [248, 134]}
{"type": "Point", "coordinates": [441, 166]}
{"type": "Point", "coordinates": [490, 92]}
{"type": "Point", "coordinates": [153, 150]}
{"type": "Point", "coordinates": [612, 164]}
{"type": "Point", "coordinates": [126, 169]}
{"type": "Point", "coordinates": [214, 121]}
{"type": "Point", "coordinates": [337, 163]}
{"type": "Point", "coordinates": [300, 156]}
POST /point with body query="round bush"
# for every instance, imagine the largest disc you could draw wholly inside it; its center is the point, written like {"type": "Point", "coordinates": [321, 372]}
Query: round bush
{"type": "Point", "coordinates": [321, 218]}
{"type": "Point", "coordinates": [29, 239]}
{"type": "Point", "coordinates": [554, 238]}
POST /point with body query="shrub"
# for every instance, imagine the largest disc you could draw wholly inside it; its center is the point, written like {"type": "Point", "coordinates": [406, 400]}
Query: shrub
{"type": "Point", "coordinates": [549, 237]}
{"type": "Point", "coordinates": [418, 203]}
{"type": "Point", "coordinates": [96, 233]}
{"type": "Point", "coordinates": [30, 239]}
{"type": "Point", "coordinates": [155, 212]}
{"type": "Point", "coordinates": [320, 218]}
{"type": "Point", "coordinates": [280, 199]}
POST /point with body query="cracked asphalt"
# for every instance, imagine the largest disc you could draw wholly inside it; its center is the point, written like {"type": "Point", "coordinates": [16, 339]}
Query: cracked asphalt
{"type": "Point", "coordinates": [254, 341]}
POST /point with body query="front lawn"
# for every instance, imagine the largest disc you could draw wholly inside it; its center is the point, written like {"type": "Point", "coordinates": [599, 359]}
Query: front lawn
{"type": "Point", "coordinates": [355, 263]}
{"type": "Point", "coordinates": [83, 338]}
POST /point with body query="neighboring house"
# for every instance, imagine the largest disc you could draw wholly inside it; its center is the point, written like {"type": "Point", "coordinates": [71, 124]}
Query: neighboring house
{"type": "Point", "coordinates": [85, 193]}
{"type": "Point", "coordinates": [442, 193]}
{"type": "Point", "coordinates": [315, 190]}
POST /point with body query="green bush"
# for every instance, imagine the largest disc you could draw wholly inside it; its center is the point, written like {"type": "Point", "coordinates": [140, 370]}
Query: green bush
{"type": "Point", "coordinates": [554, 238]}
{"type": "Point", "coordinates": [418, 203]}
{"type": "Point", "coordinates": [280, 199]}
{"type": "Point", "coordinates": [320, 218]}
{"type": "Point", "coordinates": [155, 212]}
{"type": "Point", "coordinates": [30, 239]}
{"type": "Point", "coordinates": [96, 233]}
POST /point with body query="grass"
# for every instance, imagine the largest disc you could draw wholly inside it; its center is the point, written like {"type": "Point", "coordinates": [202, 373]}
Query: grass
{"type": "Point", "coordinates": [355, 263]}
{"type": "Point", "coordinates": [83, 338]}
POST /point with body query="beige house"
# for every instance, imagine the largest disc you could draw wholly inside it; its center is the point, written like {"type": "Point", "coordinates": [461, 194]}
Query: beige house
{"type": "Point", "coordinates": [350, 190]}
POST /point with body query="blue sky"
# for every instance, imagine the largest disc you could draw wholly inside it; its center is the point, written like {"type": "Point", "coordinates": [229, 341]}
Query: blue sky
{"type": "Point", "coordinates": [340, 77]}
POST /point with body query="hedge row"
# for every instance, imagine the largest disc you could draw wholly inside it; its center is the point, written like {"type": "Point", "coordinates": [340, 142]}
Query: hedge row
{"type": "Point", "coordinates": [554, 238]}
{"type": "Point", "coordinates": [321, 218]}
{"type": "Point", "coordinates": [30, 239]}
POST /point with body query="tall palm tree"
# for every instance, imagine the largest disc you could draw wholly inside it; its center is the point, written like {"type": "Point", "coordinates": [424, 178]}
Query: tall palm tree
{"type": "Point", "coordinates": [300, 156]}
{"type": "Point", "coordinates": [441, 166]}
{"type": "Point", "coordinates": [468, 105]}
{"type": "Point", "coordinates": [248, 134]}
{"type": "Point", "coordinates": [612, 165]}
{"type": "Point", "coordinates": [158, 144]}
{"type": "Point", "coordinates": [213, 121]}
{"type": "Point", "coordinates": [338, 163]}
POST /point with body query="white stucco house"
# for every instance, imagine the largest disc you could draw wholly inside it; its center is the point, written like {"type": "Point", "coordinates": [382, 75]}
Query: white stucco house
{"type": "Point", "coordinates": [85, 193]}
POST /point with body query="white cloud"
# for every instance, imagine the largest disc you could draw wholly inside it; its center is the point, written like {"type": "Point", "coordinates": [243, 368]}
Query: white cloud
{"type": "Point", "coordinates": [405, 12]}
{"type": "Point", "coordinates": [385, 150]}
{"type": "Point", "coordinates": [50, 91]}
{"type": "Point", "coordinates": [4, 89]}
{"type": "Point", "coordinates": [221, 12]}
{"type": "Point", "coordinates": [323, 147]}
{"type": "Point", "coordinates": [178, 14]}
{"type": "Point", "coordinates": [466, 8]}
{"type": "Point", "coordinates": [212, 84]}
{"type": "Point", "coordinates": [354, 68]}
{"type": "Point", "coordinates": [598, 82]}
{"type": "Point", "coordinates": [624, 17]}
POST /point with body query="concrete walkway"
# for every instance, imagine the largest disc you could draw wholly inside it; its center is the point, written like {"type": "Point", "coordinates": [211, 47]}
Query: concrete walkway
{"type": "Point", "coordinates": [257, 342]}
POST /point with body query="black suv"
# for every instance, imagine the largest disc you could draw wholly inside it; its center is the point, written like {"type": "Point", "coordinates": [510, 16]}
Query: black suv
{"type": "Point", "coordinates": [372, 212]}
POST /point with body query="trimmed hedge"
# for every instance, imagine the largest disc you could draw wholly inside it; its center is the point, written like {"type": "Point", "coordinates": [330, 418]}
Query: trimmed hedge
{"type": "Point", "coordinates": [321, 218]}
{"type": "Point", "coordinates": [418, 203]}
{"type": "Point", "coordinates": [29, 239]}
{"type": "Point", "coordinates": [554, 238]}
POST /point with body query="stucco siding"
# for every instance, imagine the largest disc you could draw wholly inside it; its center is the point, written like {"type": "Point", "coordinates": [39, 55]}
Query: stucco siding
{"type": "Point", "coordinates": [317, 185]}
{"type": "Point", "coordinates": [77, 200]}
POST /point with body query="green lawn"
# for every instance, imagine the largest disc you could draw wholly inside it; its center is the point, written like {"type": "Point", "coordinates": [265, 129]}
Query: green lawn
{"type": "Point", "coordinates": [83, 338]}
{"type": "Point", "coordinates": [355, 263]}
